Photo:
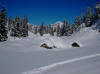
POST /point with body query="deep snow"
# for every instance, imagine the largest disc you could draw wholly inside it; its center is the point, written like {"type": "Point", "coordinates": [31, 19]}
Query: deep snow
{"type": "Point", "coordinates": [25, 56]}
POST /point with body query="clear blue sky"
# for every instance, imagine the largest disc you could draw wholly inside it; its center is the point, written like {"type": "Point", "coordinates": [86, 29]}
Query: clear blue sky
{"type": "Point", "coordinates": [47, 11]}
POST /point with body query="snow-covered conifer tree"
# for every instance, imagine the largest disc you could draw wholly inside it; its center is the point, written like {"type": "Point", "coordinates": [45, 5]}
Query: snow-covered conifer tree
{"type": "Point", "coordinates": [89, 17]}
{"type": "Point", "coordinates": [24, 27]}
{"type": "Point", "coordinates": [10, 22]}
{"type": "Point", "coordinates": [58, 31]}
{"type": "Point", "coordinates": [41, 29]}
{"type": "Point", "coordinates": [3, 25]}
{"type": "Point", "coordinates": [77, 23]}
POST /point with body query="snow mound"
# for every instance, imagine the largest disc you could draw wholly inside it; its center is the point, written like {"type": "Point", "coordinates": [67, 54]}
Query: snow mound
{"type": "Point", "coordinates": [54, 41]}
{"type": "Point", "coordinates": [85, 37]}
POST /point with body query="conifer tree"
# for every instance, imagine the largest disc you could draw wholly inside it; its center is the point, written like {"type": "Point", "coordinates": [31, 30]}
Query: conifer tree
{"type": "Point", "coordinates": [65, 29]}
{"type": "Point", "coordinates": [25, 26]}
{"type": "Point", "coordinates": [58, 31]}
{"type": "Point", "coordinates": [35, 30]}
{"type": "Point", "coordinates": [17, 27]}
{"type": "Point", "coordinates": [77, 23]}
{"type": "Point", "coordinates": [3, 25]}
{"type": "Point", "coordinates": [12, 32]}
{"type": "Point", "coordinates": [89, 17]}
{"type": "Point", "coordinates": [10, 23]}
{"type": "Point", "coordinates": [83, 16]}
{"type": "Point", "coordinates": [97, 9]}
{"type": "Point", "coordinates": [41, 29]}
{"type": "Point", "coordinates": [51, 32]}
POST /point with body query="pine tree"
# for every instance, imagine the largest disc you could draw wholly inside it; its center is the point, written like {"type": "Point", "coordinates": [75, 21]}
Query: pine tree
{"type": "Point", "coordinates": [83, 16]}
{"type": "Point", "coordinates": [25, 26]}
{"type": "Point", "coordinates": [77, 23]}
{"type": "Point", "coordinates": [10, 22]}
{"type": "Point", "coordinates": [17, 27]}
{"type": "Point", "coordinates": [41, 29]}
{"type": "Point", "coordinates": [47, 29]}
{"type": "Point", "coordinates": [70, 31]}
{"type": "Point", "coordinates": [89, 17]}
{"type": "Point", "coordinates": [65, 29]}
{"type": "Point", "coordinates": [3, 25]}
{"type": "Point", "coordinates": [44, 29]}
{"type": "Point", "coordinates": [97, 8]}
{"type": "Point", "coordinates": [58, 31]}
{"type": "Point", "coordinates": [35, 30]}
{"type": "Point", "coordinates": [51, 32]}
{"type": "Point", "coordinates": [12, 32]}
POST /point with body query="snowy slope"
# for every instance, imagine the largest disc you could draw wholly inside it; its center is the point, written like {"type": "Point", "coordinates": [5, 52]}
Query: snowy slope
{"type": "Point", "coordinates": [85, 37]}
{"type": "Point", "coordinates": [25, 56]}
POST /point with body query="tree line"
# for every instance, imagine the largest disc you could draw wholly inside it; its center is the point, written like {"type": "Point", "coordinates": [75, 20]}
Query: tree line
{"type": "Point", "coordinates": [86, 20]}
{"type": "Point", "coordinates": [15, 27]}
{"type": "Point", "coordinates": [19, 27]}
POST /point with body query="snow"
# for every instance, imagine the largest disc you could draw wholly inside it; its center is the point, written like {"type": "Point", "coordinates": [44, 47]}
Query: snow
{"type": "Point", "coordinates": [54, 41]}
{"type": "Point", "coordinates": [45, 68]}
{"type": "Point", "coordinates": [83, 38]}
{"type": "Point", "coordinates": [25, 56]}
{"type": "Point", "coordinates": [56, 24]}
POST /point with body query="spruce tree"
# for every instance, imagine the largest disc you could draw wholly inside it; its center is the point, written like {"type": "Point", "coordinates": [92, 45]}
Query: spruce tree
{"type": "Point", "coordinates": [17, 27]}
{"type": "Point", "coordinates": [3, 25]}
{"type": "Point", "coordinates": [65, 29]}
{"type": "Point", "coordinates": [83, 16]}
{"type": "Point", "coordinates": [13, 30]}
{"type": "Point", "coordinates": [89, 17]}
{"type": "Point", "coordinates": [25, 26]}
{"type": "Point", "coordinates": [10, 23]}
{"type": "Point", "coordinates": [77, 23]}
{"type": "Point", "coordinates": [41, 29]}
{"type": "Point", "coordinates": [97, 8]}
{"type": "Point", "coordinates": [35, 30]}
{"type": "Point", "coordinates": [58, 31]}
{"type": "Point", "coordinates": [51, 32]}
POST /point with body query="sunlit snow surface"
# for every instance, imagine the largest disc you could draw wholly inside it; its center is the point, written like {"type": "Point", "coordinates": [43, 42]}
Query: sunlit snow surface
{"type": "Point", "coordinates": [25, 56]}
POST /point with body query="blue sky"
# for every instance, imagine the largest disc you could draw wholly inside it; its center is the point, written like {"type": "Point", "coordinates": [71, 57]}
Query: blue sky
{"type": "Point", "coordinates": [47, 11]}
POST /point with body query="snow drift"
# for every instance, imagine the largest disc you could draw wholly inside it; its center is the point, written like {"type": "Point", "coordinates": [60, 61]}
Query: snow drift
{"type": "Point", "coordinates": [85, 37]}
